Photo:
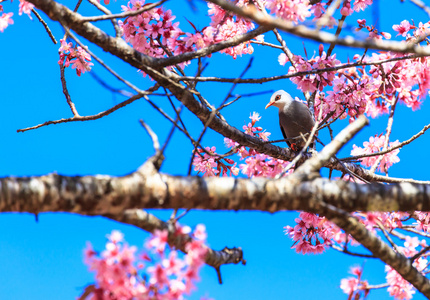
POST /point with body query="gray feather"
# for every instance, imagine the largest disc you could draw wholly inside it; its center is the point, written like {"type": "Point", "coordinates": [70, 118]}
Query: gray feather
{"type": "Point", "coordinates": [296, 120]}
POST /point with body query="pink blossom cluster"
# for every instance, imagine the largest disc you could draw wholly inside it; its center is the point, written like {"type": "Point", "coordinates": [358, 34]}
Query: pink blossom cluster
{"type": "Point", "coordinates": [256, 164]}
{"type": "Point", "coordinates": [374, 145]}
{"type": "Point", "coordinates": [299, 10]}
{"type": "Point", "coordinates": [318, 11]}
{"type": "Point", "coordinates": [210, 164]}
{"type": "Point", "coordinates": [347, 10]}
{"type": "Point", "coordinates": [355, 287]}
{"type": "Point", "coordinates": [120, 274]}
{"type": "Point", "coordinates": [350, 97]}
{"type": "Point", "coordinates": [293, 10]}
{"type": "Point", "coordinates": [312, 234]}
{"type": "Point", "coordinates": [423, 221]}
{"type": "Point", "coordinates": [313, 82]}
{"type": "Point", "coordinates": [402, 77]}
{"type": "Point", "coordinates": [25, 7]}
{"type": "Point", "coordinates": [5, 20]}
{"type": "Point", "coordinates": [153, 32]}
{"type": "Point", "coordinates": [75, 55]}
{"type": "Point", "coordinates": [419, 33]}
{"type": "Point", "coordinates": [356, 90]}
{"type": "Point", "coordinates": [225, 26]}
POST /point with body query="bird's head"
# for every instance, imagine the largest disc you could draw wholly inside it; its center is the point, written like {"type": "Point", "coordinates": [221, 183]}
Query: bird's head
{"type": "Point", "coordinates": [280, 99]}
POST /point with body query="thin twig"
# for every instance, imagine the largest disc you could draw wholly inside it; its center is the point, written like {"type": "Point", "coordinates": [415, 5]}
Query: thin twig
{"type": "Point", "coordinates": [66, 92]}
{"type": "Point", "coordinates": [422, 5]}
{"type": "Point", "coordinates": [124, 14]}
{"type": "Point", "coordinates": [414, 137]}
{"type": "Point", "coordinates": [387, 136]}
{"type": "Point", "coordinates": [48, 30]}
{"type": "Point", "coordinates": [152, 135]}
{"type": "Point", "coordinates": [86, 118]}
{"type": "Point", "coordinates": [107, 12]}
{"type": "Point", "coordinates": [346, 251]}
{"type": "Point", "coordinates": [338, 30]}
{"type": "Point", "coordinates": [298, 74]}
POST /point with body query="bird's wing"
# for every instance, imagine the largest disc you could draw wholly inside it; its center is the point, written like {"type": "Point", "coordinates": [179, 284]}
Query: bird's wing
{"type": "Point", "coordinates": [283, 133]}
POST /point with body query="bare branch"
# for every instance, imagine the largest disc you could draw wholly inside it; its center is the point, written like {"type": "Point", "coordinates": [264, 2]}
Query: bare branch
{"type": "Point", "coordinates": [151, 133]}
{"type": "Point", "coordinates": [48, 30]}
{"type": "Point", "coordinates": [66, 92]}
{"type": "Point", "coordinates": [86, 118]}
{"type": "Point", "coordinates": [346, 251]}
{"type": "Point", "coordinates": [107, 12]}
{"type": "Point", "coordinates": [422, 5]}
{"type": "Point", "coordinates": [124, 14]}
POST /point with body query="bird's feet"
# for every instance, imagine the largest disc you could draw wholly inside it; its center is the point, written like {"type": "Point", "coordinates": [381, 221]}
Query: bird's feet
{"type": "Point", "coordinates": [294, 147]}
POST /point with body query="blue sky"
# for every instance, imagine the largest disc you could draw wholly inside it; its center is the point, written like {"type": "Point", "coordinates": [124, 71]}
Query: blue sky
{"type": "Point", "coordinates": [43, 260]}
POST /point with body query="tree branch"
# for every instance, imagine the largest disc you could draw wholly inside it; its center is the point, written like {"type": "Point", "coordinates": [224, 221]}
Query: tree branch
{"type": "Point", "coordinates": [260, 18]}
{"type": "Point", "coordinates": [396, 260]}
{"type": "Point", "coordinates": [147, 188]}
{"type": "Point", "coordinates": [150, 223]}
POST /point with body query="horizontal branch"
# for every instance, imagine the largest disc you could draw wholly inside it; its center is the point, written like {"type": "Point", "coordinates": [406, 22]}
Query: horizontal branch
{"type": "Point", "coordinates": [251, 12]}
{"type": "Point", "coordinates": [297, 74]}
{"type": "Point", "coordinates": [124, 14]}
{"type": "Point", "coordinates": [150, 223]}
{"type": "Point", "coordinates": [88, 118]}
{"type": "Point", "coordinates": [146, 188]}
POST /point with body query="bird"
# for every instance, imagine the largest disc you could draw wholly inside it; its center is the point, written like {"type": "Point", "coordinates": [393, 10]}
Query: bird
{"type": "Point", "coordinates": [295, 119]}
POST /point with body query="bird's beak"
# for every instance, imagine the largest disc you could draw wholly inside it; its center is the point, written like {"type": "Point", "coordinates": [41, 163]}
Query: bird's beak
{"type": "Point", "coordinates": [269, 104]}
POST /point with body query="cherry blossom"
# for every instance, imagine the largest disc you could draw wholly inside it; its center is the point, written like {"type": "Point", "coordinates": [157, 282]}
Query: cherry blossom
{"type": "Point", "coordinates": [117, 275]}
{"type": "Point", "coordinates": [25, 7]}
{"type": "Point", "coordinates": [158, 241]}
{"type": "Point", "coordinates": [354, 286]}
{"type": "Point", "coordinates": [361, 4]}
{"type": "Point", "coordinates": [77, 56]}
{"type": "Point", "coordinates": [312, 234]}
{"type": "Point", "coordinates": [293, 10]}
{"type": "Point", "coordinates": [226, 26]}
{"type": "Point", "coordinates": [313, 82]}
{"type": "Point", "coordinates": [403, 28]}
{"type": "Point", "coordinates": [5, 21]}
{"type": "Point", "coordinates": [374, 145]}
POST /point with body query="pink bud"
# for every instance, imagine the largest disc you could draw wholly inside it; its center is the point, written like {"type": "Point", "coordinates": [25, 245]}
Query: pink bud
{"type": "Point", "coordinates": [230, 161]}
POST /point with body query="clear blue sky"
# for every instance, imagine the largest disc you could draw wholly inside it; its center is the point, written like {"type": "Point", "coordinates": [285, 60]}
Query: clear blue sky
{"type": "Point", "coordinates": [44, 260]}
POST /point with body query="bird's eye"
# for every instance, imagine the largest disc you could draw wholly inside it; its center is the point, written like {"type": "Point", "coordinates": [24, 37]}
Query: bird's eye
{"type": "Point", "coordinates": [277, 97]}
